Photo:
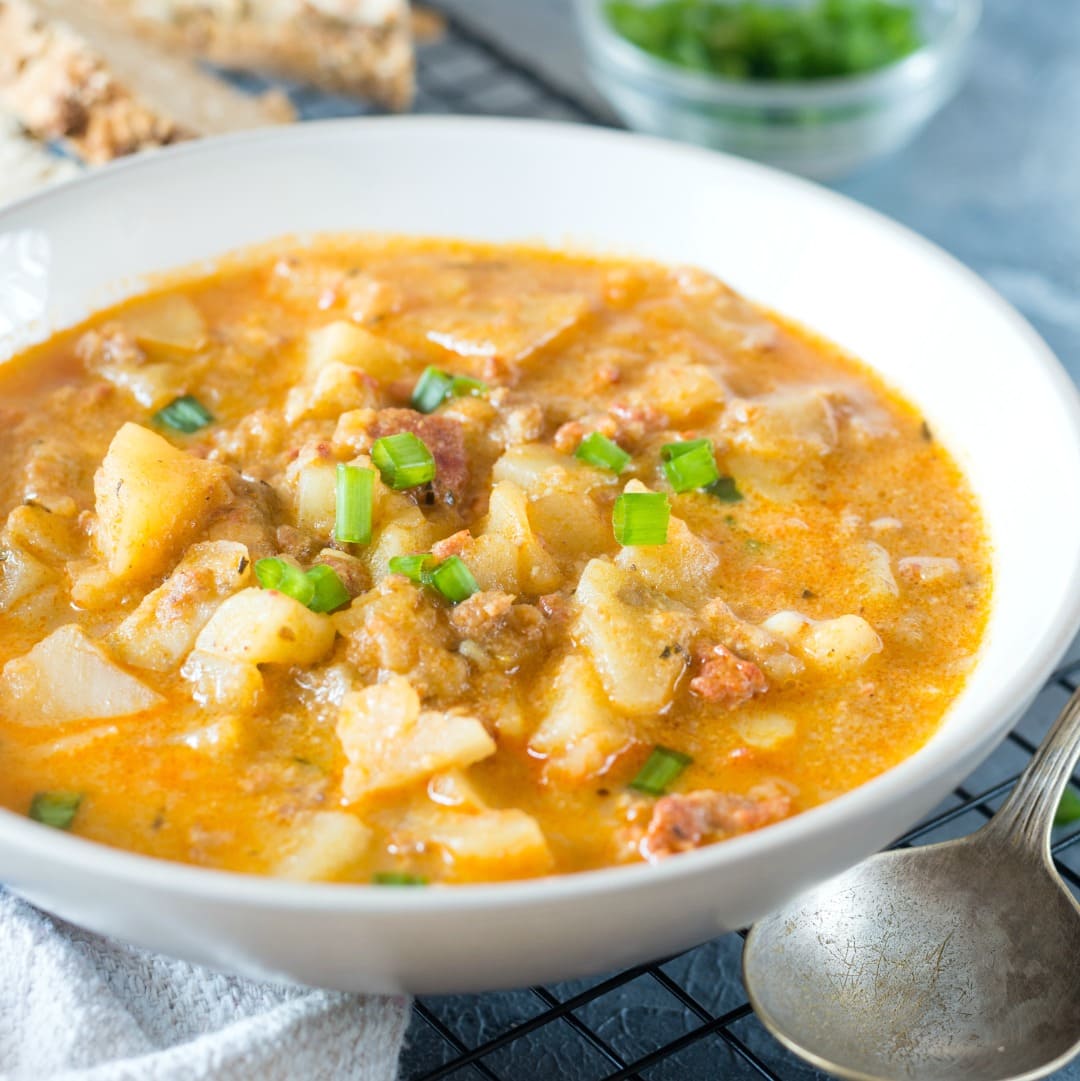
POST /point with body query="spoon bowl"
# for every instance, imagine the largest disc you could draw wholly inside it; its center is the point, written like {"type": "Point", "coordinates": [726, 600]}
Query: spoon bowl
{"type": "Point", "coordinates": [951, 962]}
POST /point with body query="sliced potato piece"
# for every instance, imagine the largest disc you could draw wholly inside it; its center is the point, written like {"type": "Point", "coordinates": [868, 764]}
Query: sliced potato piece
{"type": "Point", "coordinates": [68, 677]}
{"type": "Point", "coordinates": [162, 630]}
{"type": "Point", "coordinates": [390, 742]}
{"type": "Point", "coordinates": [262, 626]}
{"type": "Point", "coordinates": [580, 735]}
{"type": "Point", "coordinates": [764, 729]}
{"type": "Point", "coordinates": [327, 844]}
{"type": "Point", "coordinates": [316, 498]}
{"type": "Point", "coordinates": [507, 843]}
{"type": "Point", "coordinates": [170, 325]}
{"type": "Point", "coordinates": [151, 499]}
{"type": "Point", "coordinates": [20, 575]}
{"type": "Point", "coordinates": [638, 639]}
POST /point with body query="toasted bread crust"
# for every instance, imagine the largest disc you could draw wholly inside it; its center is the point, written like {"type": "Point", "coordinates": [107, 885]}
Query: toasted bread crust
{"type": "Point", "coordinates": [370, 59]}
{"type": "Point", "coordinates": [59, 87]}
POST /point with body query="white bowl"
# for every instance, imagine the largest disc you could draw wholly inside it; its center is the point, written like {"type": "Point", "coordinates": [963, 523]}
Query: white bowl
{"type": "Point", "coordinates": [989, 388]}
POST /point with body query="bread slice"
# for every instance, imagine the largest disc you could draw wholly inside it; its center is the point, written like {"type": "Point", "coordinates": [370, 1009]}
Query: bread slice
{"type": "Point", "coordinates": [69, 70]}
{"type": "Point", "coordinates": [357, 47]}
{"type": "Point", "coordinates": [25, 165]}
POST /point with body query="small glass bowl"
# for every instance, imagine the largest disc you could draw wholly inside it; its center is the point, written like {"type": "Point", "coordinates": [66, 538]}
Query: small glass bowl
{"type": "Point", "coordinates": [823, 128]}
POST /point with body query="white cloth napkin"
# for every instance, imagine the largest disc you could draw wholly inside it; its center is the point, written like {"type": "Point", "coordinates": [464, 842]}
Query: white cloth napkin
{"type": "Point", "coordinates": [75, 1007]}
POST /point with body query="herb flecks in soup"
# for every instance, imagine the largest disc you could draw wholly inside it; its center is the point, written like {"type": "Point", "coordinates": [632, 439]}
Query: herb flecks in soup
{"type": "Point", "coordinates": [400, 561]}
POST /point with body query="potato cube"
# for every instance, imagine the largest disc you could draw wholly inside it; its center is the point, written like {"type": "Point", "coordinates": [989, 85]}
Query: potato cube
{"type": "Point", "coordinates": [836, 645]}
{"type": "Point", "coordinates": [390, 742]}
{"type": "Point", "coordinates": [151, 499]}
{"type": "Point", "coordinates": [262, 626]}
{"type": "Point", "coordinates": [346, 343]}
{"type": "Point", "coordinates": [326, 845]}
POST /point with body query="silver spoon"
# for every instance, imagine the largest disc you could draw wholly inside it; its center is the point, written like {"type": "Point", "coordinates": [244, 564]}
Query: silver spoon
{"type": "Point", "coordinates": [957, 961]}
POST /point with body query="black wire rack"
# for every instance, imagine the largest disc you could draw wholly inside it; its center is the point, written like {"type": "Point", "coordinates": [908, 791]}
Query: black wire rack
{"type": "Point", "coordinates": [685, 1017]}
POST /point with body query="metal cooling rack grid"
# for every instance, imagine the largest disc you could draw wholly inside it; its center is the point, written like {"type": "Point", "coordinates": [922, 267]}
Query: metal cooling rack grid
{"type": "Point", "coordinates": [686, 1018]}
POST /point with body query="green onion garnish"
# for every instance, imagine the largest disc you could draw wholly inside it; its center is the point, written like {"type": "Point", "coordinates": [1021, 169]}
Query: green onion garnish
{"type": "Point", "coordinates": [431, 390]}
{"type": "Point", "coordinates": [724, 489]}
{"type": "Point", "coordinates": [329, 590]}
{"type": "Point", "coordinates": [417, 568]}
{"type": "Point", "coordinates": [279, 574]}
{"type": "Point", "coordinates": [434, 386]}
{"type": "Point", "coordinates": [403, 460]}
{"type": "Point", "coordinates": [464, 386]}
{"type": "Point", "coordinates": [596, 449]}
{"type": "Point", "coordinates": [185, 414]}
{"type": "Point", "coordinates": [355, 504]}
{"type": "Point", "coordinates": [641, 518]}
{"type": "Point", "coordinates": [1069, 808]}
{"type": "Point", "coordinates": [454, 580]}
{"type": "Point", "coordinates": [690, 465]}
{"type": "Point", "coordinates": [660, 771]}
{"type": "Point", "coordinates": [56, 809]}
{"type": "Point", "coordinates": [398, 878]}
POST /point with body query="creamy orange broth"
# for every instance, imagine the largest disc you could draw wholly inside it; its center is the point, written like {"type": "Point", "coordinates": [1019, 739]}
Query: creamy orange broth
{"type": "Point", "coordinates": [533, 725]}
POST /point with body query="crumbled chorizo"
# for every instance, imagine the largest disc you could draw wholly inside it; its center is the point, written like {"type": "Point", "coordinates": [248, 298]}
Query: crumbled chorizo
{"type": "Point", "coordinates": [727, 679]}
{"type": "Point", "coordinates": [683, 822]}
{"type": "Point", "coordinates": [443, 436]}
{"type": "Point", "coordinates": [627, 423]}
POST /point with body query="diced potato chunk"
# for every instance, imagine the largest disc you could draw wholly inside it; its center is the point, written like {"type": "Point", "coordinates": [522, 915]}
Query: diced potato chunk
{"type": "Point", "coordinates": [682, 390]}
{"type": "Point", "coordinates": [327, 844]}
{"type": "Point", "coordinates": [68, 677]}
{"type": "Point", "coordinates": [508, 843]}
{"type": "Point", "coordinates": [580, 735]}
{"type": "Point", "coordinates": [407, 534]}
{"type": "Point", "coordinates": [169, 324]}
{"type": "Point", "coordinates": [507, 554]}
{"type": "Point", "coordinates": [837, 645]}
{"type": "Point", "coordinates": [162, 630]}
{"type": "Point", "coordinates": [390, 742]}
{"type": "Point", "coordinates": [151, 499]}
{"type": "Point", "coordinates": [682, 568]}
{"type": "Point", "coordinates": [20, 575]}
{"type": "Point", "coordinates": [764, 729]}
{"type": "Point", "coordinates": [223, 683]}
{"type": "Point", "coordinates": [637, 638]}
{"type": "Point", "coordinates": [346, 343]}
{"type": "Point", "coordinates": [262, 626]}
{"type": "Point", "coordinates": [316, 498]}
{"type": "Point", "coordinates": [336, 389]}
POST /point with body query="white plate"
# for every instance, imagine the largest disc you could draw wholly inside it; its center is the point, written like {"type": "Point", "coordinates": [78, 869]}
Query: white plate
{"type": "Point", "coordinates": [987, 384]}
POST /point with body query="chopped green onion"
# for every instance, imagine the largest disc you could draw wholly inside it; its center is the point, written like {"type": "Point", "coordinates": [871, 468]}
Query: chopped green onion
{"type": "Point", "coordinates": [641, 518]}
{"type": "Point", "coordinates": [724, 489]}
{"type": "Point", "coordinates": [354, 504]}
{"type": "Point", "coordinates": [398, 878]}
{"type": "Point", "coordinates": [454, 580]}
{"type": "Point", "coordinates": [464, 386]}
{"type": "Point", "coordinates": [279, 574]}
{"type": "Point", "coordinates": [1069, 808]}
{"type": "Point", "coordinates": [431, 390]}
{"type": "Point", "coordinates": [417, 568]}
{"type": "Point", "coordinates": [185, 414]}
{"type": "Point", "coordinates": [434, 386]}
{"type": "Point", "coordinates": [690, 465]}
{"type": "Point", "coordinates": [403, 460]}
{"type": "Point", "coordinates": [660, 771]}
{"type": "Point", "coordinates": [596, 449]}
{"type": "Point", "coordinates": [329, 590]}
{"type": "Point", "coordinates": [56, 809]}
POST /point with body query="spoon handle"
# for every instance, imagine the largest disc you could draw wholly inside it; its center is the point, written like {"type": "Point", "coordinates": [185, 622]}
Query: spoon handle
{"type": "Point", "coordinates": [1027, 817]}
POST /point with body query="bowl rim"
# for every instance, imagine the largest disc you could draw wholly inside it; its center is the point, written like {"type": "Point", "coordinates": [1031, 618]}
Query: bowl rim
{"type": "Point", "coordinates": [609, 49]}
{"type": "Point", "coordinates": [47, 846]}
